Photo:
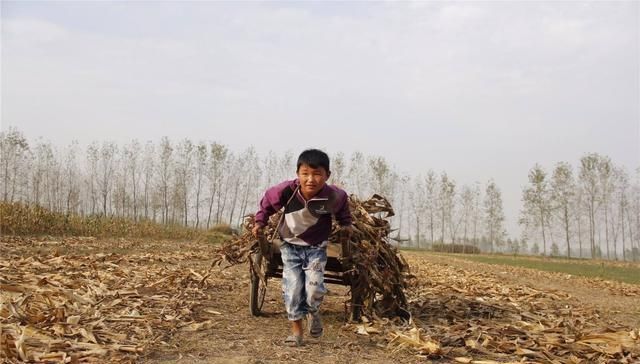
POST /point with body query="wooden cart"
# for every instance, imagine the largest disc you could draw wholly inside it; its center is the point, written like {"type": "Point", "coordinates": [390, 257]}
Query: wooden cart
{"type": "Point", "coordinates": [265, 262]}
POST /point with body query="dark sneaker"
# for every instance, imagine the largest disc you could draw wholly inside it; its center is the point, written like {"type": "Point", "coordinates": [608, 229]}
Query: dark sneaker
{"type": "Point", "coordinates": [315, 324]}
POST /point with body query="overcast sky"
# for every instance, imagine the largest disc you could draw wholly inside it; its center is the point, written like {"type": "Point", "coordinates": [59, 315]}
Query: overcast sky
{"type": "Point", "coordinates": [479, 89]}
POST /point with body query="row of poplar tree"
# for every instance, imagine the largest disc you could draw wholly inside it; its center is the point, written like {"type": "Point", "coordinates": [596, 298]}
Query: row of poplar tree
{"type": "Point", "coordinates": [590, 211]}
{"type": "Point", "coordinates": [206, 183]}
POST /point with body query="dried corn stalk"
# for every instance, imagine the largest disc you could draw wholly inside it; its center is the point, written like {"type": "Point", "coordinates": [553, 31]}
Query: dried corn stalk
{"type": "Point", "coordinates": [95, 307]}
{"type": "Point", "coordinates": [473, 316]}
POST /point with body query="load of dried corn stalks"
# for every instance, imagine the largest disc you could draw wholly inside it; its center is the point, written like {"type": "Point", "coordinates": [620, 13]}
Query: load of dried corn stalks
{"type": "Point", "coordinates": [377, 269]}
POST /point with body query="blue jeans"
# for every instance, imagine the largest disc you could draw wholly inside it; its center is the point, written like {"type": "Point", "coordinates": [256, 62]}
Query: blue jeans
{"type": "Point", "coordinates": [302, 279]}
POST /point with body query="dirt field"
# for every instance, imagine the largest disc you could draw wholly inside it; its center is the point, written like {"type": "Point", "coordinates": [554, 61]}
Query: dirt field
{"type": "Point", "coordinates": [205, 318]}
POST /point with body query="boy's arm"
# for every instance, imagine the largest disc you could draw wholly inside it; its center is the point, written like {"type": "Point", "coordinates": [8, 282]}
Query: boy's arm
{"type": "Point", "coordinates": [270, 204]}
{"type": "Point", "coordinates": [267, 209]}
{"type": "Point", "coordinates": [343, 215]}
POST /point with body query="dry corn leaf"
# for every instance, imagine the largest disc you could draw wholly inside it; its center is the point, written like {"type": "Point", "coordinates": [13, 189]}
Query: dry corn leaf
{"type": "Point", "coordinates": [462, 359]}
{"type": "Point", "coordinates": [85, 314]}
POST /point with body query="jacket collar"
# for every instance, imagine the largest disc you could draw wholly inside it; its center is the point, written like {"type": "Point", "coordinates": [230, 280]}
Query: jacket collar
{"type": "Point", "coordinates": [323, 193]}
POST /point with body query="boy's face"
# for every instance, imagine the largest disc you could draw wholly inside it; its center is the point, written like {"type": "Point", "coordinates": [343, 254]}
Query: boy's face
{"type": "Point", "coordinates": [311, 180]}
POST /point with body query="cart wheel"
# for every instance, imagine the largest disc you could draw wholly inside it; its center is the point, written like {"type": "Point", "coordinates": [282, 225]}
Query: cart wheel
{"type": "Point", "coordinates": [258, 288]}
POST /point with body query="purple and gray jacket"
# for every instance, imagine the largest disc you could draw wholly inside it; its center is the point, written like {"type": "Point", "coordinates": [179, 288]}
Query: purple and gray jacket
{"type": "Point", "coordinates": [305, 222]}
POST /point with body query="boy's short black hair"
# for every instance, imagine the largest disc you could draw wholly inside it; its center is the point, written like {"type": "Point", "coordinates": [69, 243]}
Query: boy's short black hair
{"type": "Point", "coordinates": [314, 158]}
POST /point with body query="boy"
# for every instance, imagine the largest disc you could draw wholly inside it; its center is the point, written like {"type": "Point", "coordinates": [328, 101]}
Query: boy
{"type": "Point", "coordinates": [308, 205]}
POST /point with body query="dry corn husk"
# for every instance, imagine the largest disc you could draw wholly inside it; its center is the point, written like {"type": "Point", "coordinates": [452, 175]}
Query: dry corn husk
{"type": "Point", "coordinates": [60, 307]}
{"type": "Point", "coordinates": [476, 317]}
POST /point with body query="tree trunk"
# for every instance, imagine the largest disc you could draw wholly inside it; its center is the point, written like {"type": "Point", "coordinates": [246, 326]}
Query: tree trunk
{"type": "Point", "coordinates": [245, 202]}
{"type": "Point", "coordinates": [442, 228]}
{"type": "Point", "coordinates": [606, 229]}
{"type": "Point", "coordinates": [233, 202]}
{"type": "Point", "coordinates": [418, 231]}
{"type": "Point", "coordinates": [544, 238]}
{"type": "Point", "coordinates": [431, 225]}
{"type": "Point", "coordinates": [213, 193]}
{"type": "Point", "coordinates": [624, 254]}
{"type": "Point", "coordinates": [633, 251]}
{"type": "Point", "coordinates": [186, 206]}
{"type": "Point", "coordinates": [579, 236]}
{"type": "Point", "coordinates": [146, 201]}
{"type": "Point", "coordinates": [566, 230]}
{"type": "Point", "coordinates": [198, 201]}
{"type": "Point", "coordinates": [592, 229]}
{"type": "Point", "coordinates": [135, 198]}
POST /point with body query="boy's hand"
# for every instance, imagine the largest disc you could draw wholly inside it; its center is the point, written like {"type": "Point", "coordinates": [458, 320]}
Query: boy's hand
{"type": "Point", "coordinates": [257, 231]}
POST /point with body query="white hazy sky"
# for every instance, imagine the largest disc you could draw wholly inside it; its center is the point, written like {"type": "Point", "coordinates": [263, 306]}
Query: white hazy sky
{"type": "Point", "coordinates": [479, 89]}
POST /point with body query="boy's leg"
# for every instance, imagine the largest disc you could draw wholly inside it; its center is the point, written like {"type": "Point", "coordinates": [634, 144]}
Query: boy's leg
{"type": "Point", "coordinates": [293, 285]}
{"type": "Point", "coordinates": [314, 286]}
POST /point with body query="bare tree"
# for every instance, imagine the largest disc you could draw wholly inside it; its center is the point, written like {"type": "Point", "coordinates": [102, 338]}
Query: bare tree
{"type": "Point", "coordinates": [446, 193]}
{"type": "Point", "coordinates": [605, 175]}
{"type": "Point", "coordinates": [106, 164]}
{"type": "Point", "coordinates": [430, 188]}
{"type": "Point", "coordinates": [417, 204]}
{"type": "Point", "coordinates": [270, 169]}
{"type": "Point", "coordinates": [589, 182]}
{"type": "Point", "coordinates": [236, 176]}
{"type": "Point", "coordinates": [476, 212]}
{"type": "Point", "coordinates": [577, 204]}
{"type": "Point", "coordinates": [494, 215]}
{"type": "Point", "coordinates": [132, 154]}
{"type": "Point", "coordinates": [456, 217]}
{"type": "Point", "coordinates": [148, 169]}
{"type": "Point", "coordinates": [252, 175]}
{"type": "Point", "coordinates": [119, 195]}
{"type": "Point", "coordinates": [357, 173]}
{"type": "Point", "coordinates": [71, 179]}
{"type": "Point", "coordinates": [404, 184]}
{"type": "Point", "coordinates": [165, 174]}
{"type": "Point", "coordinates": [622, 197]}
{"type": "Point", "coordinates": [536, 198]}
{"type": "Point", "coordinates": [223, 193]}
{"type": "Point", "coordinates": [338, 167]}
{"type": "Point", "coordinates": [14, 155]}
{"type": "Point", "coordinates": [93, 157]}
{"type": "Point", "coordinates": [217, 159]}
{"type": "Point", "coordinates": [466, 204]}
{"type": "Point", "coordinates": [183, 176]}
{"type": "Point", "coordinates": [201, 153]}
{"type": "Point", "coordinates": [562, 193]}
{"type": "Point", "coordinates": [286, 166]}
{"type": "Point", "coordinates": [634, 214]}
{"type": "Point", "coordinates": [381, 173]}
{"type": "Point", "coordinates": [48, 176]}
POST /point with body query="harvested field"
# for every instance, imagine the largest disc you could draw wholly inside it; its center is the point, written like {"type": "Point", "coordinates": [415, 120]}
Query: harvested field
{"type": "Point", "coordinates": [82, 299]}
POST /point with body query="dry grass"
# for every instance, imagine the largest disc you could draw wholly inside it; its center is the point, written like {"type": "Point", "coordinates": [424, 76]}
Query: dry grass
{"type": "Point", "coordinates": [21, 219]}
